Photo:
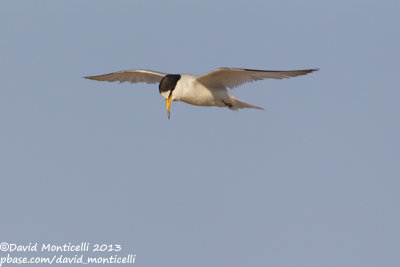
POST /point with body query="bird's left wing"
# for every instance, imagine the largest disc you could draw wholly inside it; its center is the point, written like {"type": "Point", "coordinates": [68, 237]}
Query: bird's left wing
{"type": "Point", "coordinates": [232, 77]}
{"type": "Point", "coordinates": [132, 76]}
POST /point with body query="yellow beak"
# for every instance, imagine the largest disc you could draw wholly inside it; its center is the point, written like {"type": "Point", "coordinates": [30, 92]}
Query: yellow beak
{"type": "Point", "coordinates": [168, 101]}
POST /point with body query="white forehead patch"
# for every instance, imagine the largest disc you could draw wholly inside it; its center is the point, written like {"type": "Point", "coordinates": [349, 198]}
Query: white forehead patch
{"type": "Point", "coordinates": [165, 94]}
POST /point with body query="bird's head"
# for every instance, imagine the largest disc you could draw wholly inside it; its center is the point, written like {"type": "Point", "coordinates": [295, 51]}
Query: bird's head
{"type": "Point", "coordinates": [166, 88]}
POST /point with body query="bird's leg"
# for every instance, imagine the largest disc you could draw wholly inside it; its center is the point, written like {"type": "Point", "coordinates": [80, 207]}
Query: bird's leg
{"type": "Point", "coordinates": [227, 104]}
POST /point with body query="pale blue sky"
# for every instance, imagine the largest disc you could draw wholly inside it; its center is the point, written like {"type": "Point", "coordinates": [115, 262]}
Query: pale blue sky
{"type": "Point", "coordinates": [311, 181]}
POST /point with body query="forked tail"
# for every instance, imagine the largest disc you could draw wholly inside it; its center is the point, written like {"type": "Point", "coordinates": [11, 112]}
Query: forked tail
{"type": "Point", "coordinates": [237, 104]}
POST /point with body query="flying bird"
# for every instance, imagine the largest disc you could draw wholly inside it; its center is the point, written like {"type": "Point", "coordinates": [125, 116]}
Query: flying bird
{"type": "Point", "coordinates": [209, 89]}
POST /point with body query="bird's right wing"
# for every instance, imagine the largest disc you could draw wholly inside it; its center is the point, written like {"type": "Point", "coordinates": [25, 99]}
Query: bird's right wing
{"type": "Point", "coordinates": [132, 76]}
{"type": "Point", "coordinates": [233, 77]}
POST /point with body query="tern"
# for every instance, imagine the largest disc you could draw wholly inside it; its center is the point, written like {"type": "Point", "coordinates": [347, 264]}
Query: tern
{"type": "Point", "coordinates": [209, 89]}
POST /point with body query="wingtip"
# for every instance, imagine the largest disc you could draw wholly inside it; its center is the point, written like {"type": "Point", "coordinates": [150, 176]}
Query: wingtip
{"type": "Point", "coordinates": [93, 78]}
{"type": "Point", "coordinates": [308, 71]}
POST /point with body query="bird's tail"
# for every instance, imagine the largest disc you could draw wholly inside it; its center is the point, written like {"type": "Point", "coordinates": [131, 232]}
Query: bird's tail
{"type": "Point", "coordinates": [237, 104]}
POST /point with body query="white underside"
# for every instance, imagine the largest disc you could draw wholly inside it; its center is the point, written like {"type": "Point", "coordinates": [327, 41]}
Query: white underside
{"type": "Point", "coordinates": [190, 91]}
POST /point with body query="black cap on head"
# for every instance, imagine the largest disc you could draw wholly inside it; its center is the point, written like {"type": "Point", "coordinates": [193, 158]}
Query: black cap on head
{"type": "Point", "coordinates": [168, 83]}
